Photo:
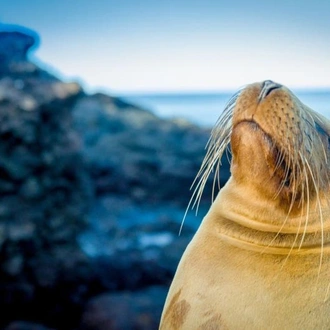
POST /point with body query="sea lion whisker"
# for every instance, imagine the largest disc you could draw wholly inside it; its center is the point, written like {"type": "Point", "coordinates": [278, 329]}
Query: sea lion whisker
{"type": "Point", "coordinates": [306, 188]}
{"type": "Point", "coordinates": [218, 141]}
{"type": "Point", "coordinates": [195, 198]}
{"type": "Point", "coordinates": [196, 195]}
{"type": "Point", "coordinates": [214, 146]}
{"type": "Point", "coordinates": [288, 169]}
{"type": "Point", "coordinates": [204, 175]}
{"type": "Point", "coordinates": [294, 187]}
{"type": "Point", "coordinates": [209, 155]}
{"type": "Point", "coordinates": [199, 191]}
{"type": "Point", "coordinates": [281, 228]}
{"type": "Point", "coordinates": [283, 225]}
{"type": "Point", "coordinates": [277, 234]}
{"type": "Point", "coordinates": [212, 158]}
{"type": "Point", "coordinates": [300, 185]}
{"type": "Point", "coordinates": [279, 161]}
{"type": "Point", "coordinates": [321, 216]}
{"type": "Point", "coordinates": [295, 240]}
{"type": "Point", "coordinates": [279, 158]}
{"type": "Point", "coordinates": [327, 293]}
{"type": "Point", "coordinates": [208, 163]}
{"type": "Point", "coordinates": [228, 153]}
{"type": "Point", "coordinates": [216, 179]}
{"type": "Point", "coordinates": [216, 137]}
{"type": "Point", "coordinates": [287, 166]}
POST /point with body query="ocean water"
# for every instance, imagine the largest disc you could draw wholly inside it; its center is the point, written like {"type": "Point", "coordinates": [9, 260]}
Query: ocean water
{"type": "Point", "coordinates": [205, 108]}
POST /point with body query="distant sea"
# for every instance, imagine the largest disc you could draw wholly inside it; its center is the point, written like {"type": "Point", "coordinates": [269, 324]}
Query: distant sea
{"type": "Point", "coordinates": [205, 108]}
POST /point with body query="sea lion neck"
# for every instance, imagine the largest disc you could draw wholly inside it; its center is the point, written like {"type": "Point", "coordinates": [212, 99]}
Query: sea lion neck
{"type": "Point", "coordinates": [251, 208]}
{"type": "Point", "coordinates": [247, 220]}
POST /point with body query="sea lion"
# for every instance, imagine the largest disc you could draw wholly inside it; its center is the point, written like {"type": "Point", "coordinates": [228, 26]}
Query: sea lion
{"type": "Point", "coordinates": [261, 256]}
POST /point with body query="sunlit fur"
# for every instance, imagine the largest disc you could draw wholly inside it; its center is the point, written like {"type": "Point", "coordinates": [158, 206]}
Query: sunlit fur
{"type": "Point", "coordinates": [261, 257]}
{"type": "Point", "coordinates": [300, 155]}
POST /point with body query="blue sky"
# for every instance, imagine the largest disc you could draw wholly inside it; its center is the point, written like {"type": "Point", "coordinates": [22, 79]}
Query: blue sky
{"type": "Point", "coordinates": [182, 45]}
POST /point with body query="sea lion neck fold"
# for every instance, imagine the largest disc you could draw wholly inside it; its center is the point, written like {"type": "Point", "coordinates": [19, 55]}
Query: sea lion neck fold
{"type": "Point", "coordinates": [245, 218]}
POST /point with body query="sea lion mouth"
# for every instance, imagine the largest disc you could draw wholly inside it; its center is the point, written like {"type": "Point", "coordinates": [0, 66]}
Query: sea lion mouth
{"type": "Point", "coordinates": [276, 158]}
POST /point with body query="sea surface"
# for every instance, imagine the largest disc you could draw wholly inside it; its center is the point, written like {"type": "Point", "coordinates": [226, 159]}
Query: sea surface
{"type": "Point", "coordinates": [205, 108]}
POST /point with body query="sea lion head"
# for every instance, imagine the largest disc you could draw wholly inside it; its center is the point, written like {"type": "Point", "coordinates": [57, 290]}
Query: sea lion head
{"type": "Point", "coordinates": [279, 145]}
{"type": "Point", "coordinates": [280, 164]}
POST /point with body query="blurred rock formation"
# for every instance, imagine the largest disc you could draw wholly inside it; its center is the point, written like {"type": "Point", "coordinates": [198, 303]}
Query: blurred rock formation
{"type": "Point", "coordinates": [73, 168]}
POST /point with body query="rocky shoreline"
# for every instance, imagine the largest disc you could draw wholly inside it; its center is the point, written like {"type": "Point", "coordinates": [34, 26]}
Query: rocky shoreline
{"type": "Point", "coordinates": [93, 191]}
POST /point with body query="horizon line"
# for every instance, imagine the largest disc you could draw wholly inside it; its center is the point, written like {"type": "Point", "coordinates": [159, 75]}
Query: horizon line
{"type": "Point", "coordinates": [199, 91]}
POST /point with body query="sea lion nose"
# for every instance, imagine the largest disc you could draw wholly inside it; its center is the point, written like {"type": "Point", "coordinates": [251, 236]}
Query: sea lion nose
{"type": "Point", "coordinates": [267, 87]}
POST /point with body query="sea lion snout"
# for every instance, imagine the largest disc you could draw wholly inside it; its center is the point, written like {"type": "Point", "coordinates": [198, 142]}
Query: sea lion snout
{"type": "Point", "coordinates": [267, 87]}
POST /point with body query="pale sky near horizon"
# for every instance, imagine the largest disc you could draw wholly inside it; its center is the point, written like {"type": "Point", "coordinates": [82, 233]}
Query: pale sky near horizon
{"type": "Point", "coordinates": [183, 45]}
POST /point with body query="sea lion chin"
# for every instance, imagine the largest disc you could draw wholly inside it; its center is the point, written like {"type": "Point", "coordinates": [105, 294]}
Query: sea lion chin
{"type": "Point", "coordinates": [261, 257]}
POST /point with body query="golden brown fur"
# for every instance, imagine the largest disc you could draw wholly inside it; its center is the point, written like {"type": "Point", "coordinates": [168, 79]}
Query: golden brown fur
{"type": "Point", "coordinates": [261, 257]}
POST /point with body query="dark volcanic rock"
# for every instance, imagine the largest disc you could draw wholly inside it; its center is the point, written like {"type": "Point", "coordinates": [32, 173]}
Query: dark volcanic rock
{"type": "Point", "coordinates": [140, 310]}
{"type": "Point", "coordinates": [21, 325]}
{"type": "Point", "coordinates": [141, 256]}
{"type": "Point", "coordinates": [45, 192]}
{"type": "Point", "coordinates": [132, 152]}
{"type": "Point", "coordinates": [59, 148]}
{"type": "Point", "coordinates": [14, 45]}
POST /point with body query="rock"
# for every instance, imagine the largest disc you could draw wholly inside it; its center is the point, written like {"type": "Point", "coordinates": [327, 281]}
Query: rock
{"type": "Point", "coordinates": [139, 310]}
{"type": "Point", "coordinates": [14, 266]}
{"type": "Point", "coordinates": [62, 149]}
{"type": "Point", "coordinates": [22, 325]}
{"type": "Point", "coordinates": [133, 153]}
{"type": "Point", "coordinates": [131, 254]}
{"type": "Point", "coordinates": [45, 193]}
{"type": "Point", "coordinates": [15, 45]}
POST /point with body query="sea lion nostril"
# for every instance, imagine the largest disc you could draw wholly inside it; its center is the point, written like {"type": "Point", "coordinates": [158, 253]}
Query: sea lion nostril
{"type": "Point", "coordinates": [267, 87]}
{"type": "Point", "coordinates": [267, 82]}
